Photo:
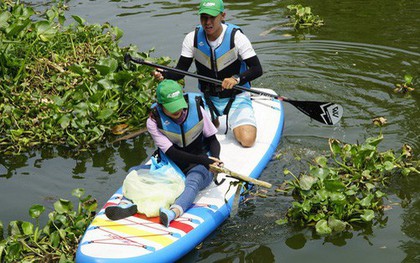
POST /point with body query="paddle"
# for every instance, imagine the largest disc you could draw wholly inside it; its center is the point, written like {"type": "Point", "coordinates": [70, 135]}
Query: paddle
{"type": "Point", "coordinates": [240, 177]}
{"type": "Point", "coordinates": [325, 112]}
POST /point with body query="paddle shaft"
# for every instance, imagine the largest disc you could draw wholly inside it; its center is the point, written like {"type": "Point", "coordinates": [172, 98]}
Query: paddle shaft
{"type": "Point", "coordinates": [240, 177]}
{"type": "Point", "coordinates": [204, 78]}
{"type": "Point", "coordinates": [324, 112]}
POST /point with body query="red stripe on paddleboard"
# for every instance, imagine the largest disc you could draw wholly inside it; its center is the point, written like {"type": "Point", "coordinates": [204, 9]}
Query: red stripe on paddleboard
{"type": "Point", "coordinates": [109, 204]}
{"type": "Point", "coordinates": [181, 226]}
{"type": "Point", "coordinates": [150, 219]}
{"type": "Point", "coordinates": [174, 224]}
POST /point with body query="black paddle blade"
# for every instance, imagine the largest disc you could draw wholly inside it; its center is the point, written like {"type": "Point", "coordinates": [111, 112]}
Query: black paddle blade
{"type": "Point", "coordinates": [324, 112]}
{"type": "Point", "coordinates": [127, 58]}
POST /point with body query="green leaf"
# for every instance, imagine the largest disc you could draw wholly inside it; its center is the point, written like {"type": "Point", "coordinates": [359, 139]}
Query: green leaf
{"type": "Point", "coordinates": [78, 69]}
{"type": "Point", "coordinates": [14, 229]}
{"type": "Point", "coordinates": [2, 249]}
{"type": "Point", "coordinates": [106, 84]}
{"type": "Point", "coordinates": [281, 221]}
{"type": "Point", "coordinates": [64, 121]}
{"type": "Point", "coordinates": [322, 227]}
{"type": "Point", "coordinates": [50, 14]}
{"type": "Point", "coordinates": [322, 194]}
{"type": "Point", "coordinates": [350, 192]}
{"type": "Point", "coordinates": [369, 186]}
{"type": "Point", "coordinates": [105, 114]}
{"type": "Point", "coordinates": [321, 161]}
{"type": "Point", "coordinates": [335, 146]}
{"type": "Point", "coordinates": [36, 210]}
{"type": "Point", "coordinates": [380, 194]}
{"type": "Point", "coordinates": [4, 17]}
{"type": "Point", "coordinates": [367, 201]}
{"type": "Point", "coordinates": [374, 141]}
{"type": "Point", "coordinates": [306, 181]}
{"type": "Point", "coordinates": [316, 217]}
{"type": "Point", "coordinates": [14, 250]}
{"type": "Point", "coordinates": [338, 198]}
{"type": "Point", "coordinates": [81, 109]}
{"type": "Point", "coordinates": [90, 206]}
{"type": "Point", "coordinates": [1, 234]}
{"type": "Point", "coordinates": [307, 206]}
{"type": "Point", "coordinates": [55, 239]}
{"type": "Point", "coordinates": [62, 233]}
{"type": "Point", "coordinates": [62, 218]}
{"type": "Point", "coordinates": [408, 79]}
{"type": "Point", "coordinates": [106, 66]}
{"type": "Point", "coordinates": [45, 30]}
{"type": "Point", "coordinates": [61, 19]}
{"type": "Point", "coordinates": [334, 185]}
{"type": "Point", "coordinates": [336, 225]}
{"type": "Point", "coordinates": [368, 215]}
{"type": "Point", "coordinates": [389, 165]}
{"type": "Point", "coordinates": [78, 192]}
{"type": "Point", "coordinates": [320, 173]}
{"type": "Point", "coordinates": [117, 32]}
{"type": "Point", "coordinates": [17, 29]}
{"type": "Point", "coordinates": [79, 20]}
{"type": "Point", "coordinates": [63, 206]}
{"type": "Point", "coordinates": [28, 228]}
{"type": "Point", "coordinates": [81, 224]}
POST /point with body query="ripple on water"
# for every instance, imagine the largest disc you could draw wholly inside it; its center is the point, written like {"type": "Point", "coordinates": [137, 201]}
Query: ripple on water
{"type": "Point", "coordinates": [359, 76]}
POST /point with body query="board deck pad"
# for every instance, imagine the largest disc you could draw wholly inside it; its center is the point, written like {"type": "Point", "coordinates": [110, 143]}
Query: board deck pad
{"type": "Point", "coordinates": [141, 239]}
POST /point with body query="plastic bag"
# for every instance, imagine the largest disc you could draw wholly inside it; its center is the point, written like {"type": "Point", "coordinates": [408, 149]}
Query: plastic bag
{"type": "Point", "coordinates": [151, 189]}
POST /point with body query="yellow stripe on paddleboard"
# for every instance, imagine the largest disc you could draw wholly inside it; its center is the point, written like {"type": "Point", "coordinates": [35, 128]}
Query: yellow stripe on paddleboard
{"type": "Point", "coordinates": [163, 240]}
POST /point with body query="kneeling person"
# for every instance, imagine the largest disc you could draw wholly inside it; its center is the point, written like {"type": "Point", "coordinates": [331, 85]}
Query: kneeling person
{"type": "Point", "coordinates": [183, 131]}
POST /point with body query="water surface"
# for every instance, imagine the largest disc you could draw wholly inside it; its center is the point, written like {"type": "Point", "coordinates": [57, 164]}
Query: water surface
{"type": "Point", "coordinates": [365, 48]}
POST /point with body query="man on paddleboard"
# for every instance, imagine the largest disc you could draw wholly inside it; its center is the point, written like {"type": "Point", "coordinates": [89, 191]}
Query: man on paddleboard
{"type": "Point", "coordinates": [221, 51]}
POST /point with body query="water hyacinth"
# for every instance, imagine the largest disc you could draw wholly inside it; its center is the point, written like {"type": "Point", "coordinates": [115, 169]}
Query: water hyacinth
{"type": "Point", "coordinates": [66, 84]}
{"type": "Point", "coordinates": [57, 241]}
{"type": "Point", "coordinates": [346, 187]}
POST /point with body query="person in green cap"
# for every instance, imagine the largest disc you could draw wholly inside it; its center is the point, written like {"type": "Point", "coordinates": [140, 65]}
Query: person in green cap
{"type": "Point", "coordinates": [183, 131]}
{"type": "Point", "coordinates": [221, 51]}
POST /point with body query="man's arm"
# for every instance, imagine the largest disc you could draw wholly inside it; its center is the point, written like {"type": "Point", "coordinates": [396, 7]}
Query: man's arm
{"type": "Point", "coordinates": [184, 64]}
{"type": "Point", "coordinates": [254, 70]}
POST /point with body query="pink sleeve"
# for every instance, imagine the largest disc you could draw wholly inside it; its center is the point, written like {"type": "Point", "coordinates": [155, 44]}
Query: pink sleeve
{"type": "Point", "coordinates": [161, 141]}
{"type": "Point", "coordinates": [209, 129]}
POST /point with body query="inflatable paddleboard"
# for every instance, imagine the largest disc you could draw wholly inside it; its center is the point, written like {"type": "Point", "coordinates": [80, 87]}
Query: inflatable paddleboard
{"type": "Point", "coordinates": [141, 239]}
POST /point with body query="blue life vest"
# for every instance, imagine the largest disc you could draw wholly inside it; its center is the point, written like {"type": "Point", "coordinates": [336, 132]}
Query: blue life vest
{"type": "Point", "coordinates": [222, 62]}
{"type": "Point", "coordinates": [187, 136]}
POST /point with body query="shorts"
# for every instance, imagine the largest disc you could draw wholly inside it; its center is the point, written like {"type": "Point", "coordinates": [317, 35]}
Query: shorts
{"type": "Point", "coordinates": [241, 111]}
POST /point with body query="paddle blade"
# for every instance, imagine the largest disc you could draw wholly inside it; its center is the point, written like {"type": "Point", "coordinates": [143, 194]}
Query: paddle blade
{"type": "Point", "coordinates": [127, 58]}
{"type": "Point", "coordinates": [324, 112]}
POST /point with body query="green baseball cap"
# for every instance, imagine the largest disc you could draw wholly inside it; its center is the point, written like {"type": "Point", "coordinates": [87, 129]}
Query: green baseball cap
{"type": "Point", "coordinates": [169, 94]}
{"type": "Point", "coordinates": [211, 7]}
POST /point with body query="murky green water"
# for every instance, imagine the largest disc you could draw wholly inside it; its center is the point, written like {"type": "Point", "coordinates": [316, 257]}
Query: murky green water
{"type": "Point", "coordinates": [365, 48]}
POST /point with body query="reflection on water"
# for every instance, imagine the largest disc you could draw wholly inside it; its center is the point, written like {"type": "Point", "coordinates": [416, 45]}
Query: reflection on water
{"type": "Point", "coordinates": [53, 172]}
{"type": "Point", "coordinates": [365, 48]}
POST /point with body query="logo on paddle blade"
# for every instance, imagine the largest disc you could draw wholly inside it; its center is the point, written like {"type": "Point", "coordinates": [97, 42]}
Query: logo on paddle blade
{"type": "Point", "coordinates": [331, 113]}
